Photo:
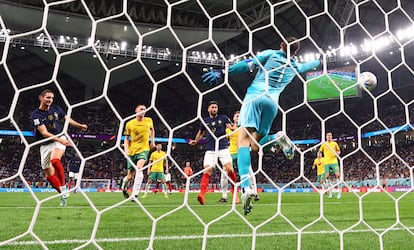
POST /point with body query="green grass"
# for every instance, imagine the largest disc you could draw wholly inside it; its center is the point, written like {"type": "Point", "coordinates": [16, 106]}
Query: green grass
{"type": "Point", "coordinates": [176, 223]}
{"type": "Point", "coordinates": [324, 87]}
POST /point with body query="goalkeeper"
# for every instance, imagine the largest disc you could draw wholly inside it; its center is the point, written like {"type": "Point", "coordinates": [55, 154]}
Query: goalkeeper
{"type": "Point", "coordinates": [260, 104]}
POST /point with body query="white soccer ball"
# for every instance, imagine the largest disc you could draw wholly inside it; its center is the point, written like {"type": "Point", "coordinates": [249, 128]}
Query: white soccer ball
{"type": "Point", "coordinates": [367, 81]}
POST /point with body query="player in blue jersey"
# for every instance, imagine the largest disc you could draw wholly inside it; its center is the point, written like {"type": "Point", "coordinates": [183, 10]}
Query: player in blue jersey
{"type": "Point", "coordinates": [74, 165]}
{"type": "Point", "coordinates": [260, 104]}
{"type": "Point", "coordinates": [48, 121]}
{"type": "Point", "coordinates": [217, 125]}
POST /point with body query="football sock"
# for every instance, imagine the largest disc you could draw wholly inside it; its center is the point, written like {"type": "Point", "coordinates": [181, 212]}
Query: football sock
{"type": "Point", "coordinates": [224, 185]}
{"type": "Point", "coordinates": [147, 187]}
{"type": "Point", "coordinates": [138, 181]}
{"type": "Point", "coordinates": [253, 180]}
{"type": "Point", "coordinates": [125, 183]}
{"type": "Point", "coordinates": [60, 171]}
{"type": "Point", "coordinates": [233, 177]}
{"type": "Point", "coordinates": [204, 184]}
{"type": "Point", "coordinates": [243, 163]}
{"type": "Point", "coordinates": [54, 181]}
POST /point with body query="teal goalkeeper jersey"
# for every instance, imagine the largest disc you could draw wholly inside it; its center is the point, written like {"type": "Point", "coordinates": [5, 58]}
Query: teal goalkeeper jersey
{"type": "Point", "coordinates": [276, 69]}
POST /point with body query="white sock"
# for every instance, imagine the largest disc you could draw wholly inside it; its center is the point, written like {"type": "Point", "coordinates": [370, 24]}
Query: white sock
{"type": "Point", "coordinates": [224, 182]}
{"type": "Point", "coordinates": [138, 182]}
{"type": "Point", "coordinates": [125, 183]}
{"type": "Point", "coordinates": [65, 193]}
{"type": "Point", "coordinates": [253, 180]}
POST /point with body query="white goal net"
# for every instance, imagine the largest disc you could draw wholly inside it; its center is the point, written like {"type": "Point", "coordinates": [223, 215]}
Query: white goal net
{"type": "Point", "coordinates": [102, 58]}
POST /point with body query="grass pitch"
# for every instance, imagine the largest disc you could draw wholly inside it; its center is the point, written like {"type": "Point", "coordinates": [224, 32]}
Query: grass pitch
{"type": "Point", "coordinates": [278, 221]}
{"type": "Point", "coordinates": [324, 87]}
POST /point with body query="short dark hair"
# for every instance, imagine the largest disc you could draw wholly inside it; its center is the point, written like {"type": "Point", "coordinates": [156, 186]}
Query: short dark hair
{"type": "Point", "coordinates": [140, 104]}
{"type": "Point", "coordinates": [211, 103]}
{"type": "Point", "coordinates": [44, 92]}
{"type": "Point", "coordinates": [294, 44]}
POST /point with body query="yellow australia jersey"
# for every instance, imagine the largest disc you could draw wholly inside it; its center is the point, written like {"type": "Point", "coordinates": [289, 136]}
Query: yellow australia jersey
{"type": "Point", "coordinates": [139, 134]}
{"type": "Point", "coordinates": [320, 166]}
{"type": "Point", "coordinates": [328, 149]}
{"type": "Point", "coordinates": [158, 159]}
{"type": "Point", "coordinates": [232, 136]}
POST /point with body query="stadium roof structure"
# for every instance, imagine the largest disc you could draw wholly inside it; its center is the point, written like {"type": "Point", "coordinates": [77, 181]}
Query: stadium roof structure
{"type": "Point", "coordinates": [31, 59]}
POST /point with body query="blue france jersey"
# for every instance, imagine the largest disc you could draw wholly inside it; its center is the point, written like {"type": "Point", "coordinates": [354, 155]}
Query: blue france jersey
{"type": "Point", "coordinates": [53, 119]}
{"type": "Point", "coordinates": [74, 164]}
{"type": "Point", "coordinates": [217, 126]}
{"type": "Point", "coordinates": [279, 72]}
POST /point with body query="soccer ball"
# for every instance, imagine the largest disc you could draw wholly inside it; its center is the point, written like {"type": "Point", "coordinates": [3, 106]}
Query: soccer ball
{"type": "Point", "coordinates": [367, 81]}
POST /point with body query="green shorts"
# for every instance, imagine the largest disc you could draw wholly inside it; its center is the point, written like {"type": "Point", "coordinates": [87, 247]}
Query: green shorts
{"type": "Point", "coordinates": [234, 160]}
{"type": "Point", "coordinates": [135, 158]}
{"type": "Point", "coordinates": [156, 176]}
{"type": "Point", "coordinates": [333, 166]}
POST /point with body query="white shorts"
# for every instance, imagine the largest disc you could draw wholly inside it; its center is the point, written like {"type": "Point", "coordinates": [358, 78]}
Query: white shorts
{"type": "Point", "coordinates": [46, 151]}
{"type": "Point", "coordinates": [167, 177]}
{"type": "Point", "coordinates": [223, 155]}
{"type": "Point", "coordinates": [74, 175]}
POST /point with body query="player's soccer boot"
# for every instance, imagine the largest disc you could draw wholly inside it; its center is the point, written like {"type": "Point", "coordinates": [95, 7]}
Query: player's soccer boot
{"type": "Point", "coordinates": [136, 198]}
{"type": "Point", "coordinates": [246, 197]}
{"type": "Point", "coordinates": [287, 147]}
{"type": "Point", "coordinates": [256, 197]}
{"type": "Point", "coordinates": [166, 196]}
{"type": "Point", "coordinates": [144, 196]}
{"type": "Point", "coordinates": [338, 196]}
{"type": "Point", "coordinates": [125, 193]}
{"type": "Point", "coordinates": [201, 199]}
{"type": "Point", "coordinates": [330, 196]}
{"type": "Point", "coordinates": [222, 200]}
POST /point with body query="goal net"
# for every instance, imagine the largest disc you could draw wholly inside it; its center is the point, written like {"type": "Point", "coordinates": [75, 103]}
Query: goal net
{"type": "Point", "coordinates": [102, 58]}
{"type": "Point", "coordinates": [97, 185]}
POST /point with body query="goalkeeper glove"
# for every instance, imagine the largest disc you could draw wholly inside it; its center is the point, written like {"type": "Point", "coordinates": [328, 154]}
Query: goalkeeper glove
{"type": "Point", "coordinates": [212, 77]}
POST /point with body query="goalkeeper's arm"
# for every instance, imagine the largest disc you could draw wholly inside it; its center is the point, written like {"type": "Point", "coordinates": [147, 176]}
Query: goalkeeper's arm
{"type": "Point", "coordinates": [213, 76]}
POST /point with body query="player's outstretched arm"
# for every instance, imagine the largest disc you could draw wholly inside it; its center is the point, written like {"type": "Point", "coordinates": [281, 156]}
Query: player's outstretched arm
{"type": "Point", "coordinates": [214, 76]}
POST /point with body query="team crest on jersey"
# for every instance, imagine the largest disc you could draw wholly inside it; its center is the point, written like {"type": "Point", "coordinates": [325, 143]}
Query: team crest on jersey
{"type": "Point", "coordinates": [50, 117]}
{"type": "Point", "coordinates": [213, 124]}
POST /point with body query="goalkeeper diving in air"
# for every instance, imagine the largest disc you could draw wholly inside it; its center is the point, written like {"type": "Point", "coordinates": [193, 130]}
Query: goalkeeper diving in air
{"type": "Point", "coordinates": [260, 105]}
